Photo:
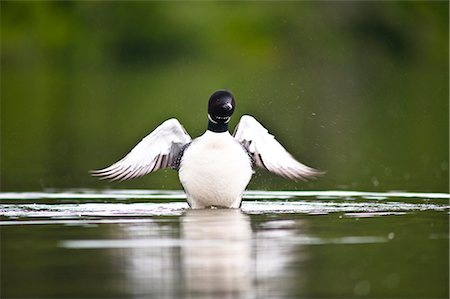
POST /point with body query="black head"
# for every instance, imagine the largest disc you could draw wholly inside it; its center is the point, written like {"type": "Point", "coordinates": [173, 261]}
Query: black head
{"type": "Point", "coordinates": [221, 106]}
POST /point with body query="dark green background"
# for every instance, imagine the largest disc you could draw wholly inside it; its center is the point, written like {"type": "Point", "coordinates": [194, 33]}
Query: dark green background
{"type": "Point", "coordinates": [359, 89]}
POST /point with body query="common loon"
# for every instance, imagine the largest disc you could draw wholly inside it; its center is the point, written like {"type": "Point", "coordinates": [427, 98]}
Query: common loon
{"type": "Point", "coordinates": [216, 167]}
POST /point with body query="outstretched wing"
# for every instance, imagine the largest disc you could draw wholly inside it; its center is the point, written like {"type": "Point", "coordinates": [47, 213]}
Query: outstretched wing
{"type": "Point", "coordinates": [268, 153]}
{"type": "Point", "coordinates": [157, 150]}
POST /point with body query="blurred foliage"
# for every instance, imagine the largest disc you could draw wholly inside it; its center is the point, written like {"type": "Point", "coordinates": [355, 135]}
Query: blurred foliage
{"type": "Point", "coordinates": [359, 89]}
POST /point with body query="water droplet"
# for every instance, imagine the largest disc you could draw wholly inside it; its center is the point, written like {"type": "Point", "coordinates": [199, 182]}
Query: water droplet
{"type": "Point", "coordinates": [391, 280]}
{"type": "Point", "coordinates": [375, 182]}
{"type": "Point", "coordinates": [362, 288]}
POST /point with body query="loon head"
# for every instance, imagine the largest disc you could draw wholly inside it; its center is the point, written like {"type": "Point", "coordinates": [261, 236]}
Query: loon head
{"type": "Point", "coordinates": [221, 106]}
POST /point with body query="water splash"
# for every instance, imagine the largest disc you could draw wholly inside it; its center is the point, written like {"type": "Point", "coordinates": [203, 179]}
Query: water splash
{"type": "Point", "coordinates": [121, 205]}
{"type": "Point", "coordinates": [178, 194]}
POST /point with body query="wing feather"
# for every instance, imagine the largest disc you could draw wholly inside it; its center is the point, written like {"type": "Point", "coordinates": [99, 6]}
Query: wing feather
{"type": "Point", "coordinates": [157, 150]}
{"type": "Point", "coordinates": [268, 153]}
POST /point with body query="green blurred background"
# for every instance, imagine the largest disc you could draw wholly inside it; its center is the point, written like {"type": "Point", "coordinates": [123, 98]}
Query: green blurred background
{"type": "Point", "coordinates": [359, 89]}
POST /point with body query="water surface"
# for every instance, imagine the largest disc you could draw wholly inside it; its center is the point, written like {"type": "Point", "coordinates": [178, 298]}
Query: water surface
{"type": "Point", "coordinates": [147, 243]}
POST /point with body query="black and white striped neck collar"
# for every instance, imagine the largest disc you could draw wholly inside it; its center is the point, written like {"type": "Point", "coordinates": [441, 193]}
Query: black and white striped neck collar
{"type": "Point", "coordinates": [217, 127]}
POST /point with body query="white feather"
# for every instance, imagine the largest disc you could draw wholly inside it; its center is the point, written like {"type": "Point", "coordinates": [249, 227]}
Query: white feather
{"type": "Point", "coordinates": [215, 170]}
{"type": "Point", "coordinates": [268, 153]}
{"type": "Point", "coordinates": [157, 150]}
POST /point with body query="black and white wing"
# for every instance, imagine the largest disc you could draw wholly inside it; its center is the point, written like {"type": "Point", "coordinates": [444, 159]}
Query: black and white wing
{"type": "Point", "coordinates": [268, 153]}
{"type": "Point", "coordinates": [158, 150]}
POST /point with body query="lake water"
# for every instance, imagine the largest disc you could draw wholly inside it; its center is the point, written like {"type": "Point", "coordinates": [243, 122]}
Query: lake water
{"type": "Point", "coordinates": [148, 244]}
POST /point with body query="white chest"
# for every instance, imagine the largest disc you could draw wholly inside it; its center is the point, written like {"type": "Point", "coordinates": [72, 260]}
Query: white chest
{"type": "Point", "coordinates": [214, 171]}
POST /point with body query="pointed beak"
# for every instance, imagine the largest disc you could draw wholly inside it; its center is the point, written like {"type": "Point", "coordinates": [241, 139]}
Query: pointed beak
{"type": "Point", "coordinates": [227, 107]}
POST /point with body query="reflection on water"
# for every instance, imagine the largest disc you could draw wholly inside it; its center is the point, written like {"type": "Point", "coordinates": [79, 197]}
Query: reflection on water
{"type": "Point", "coordinates": [151, 269]}
{"type": "Point", "coordinates": [146, 256]}
{"type": "Point", "coordinates": [216, 254]}
{"type": "Point", "coordinates": [276, 251]}
{"type": "Point", "coordinates": [80, 245]}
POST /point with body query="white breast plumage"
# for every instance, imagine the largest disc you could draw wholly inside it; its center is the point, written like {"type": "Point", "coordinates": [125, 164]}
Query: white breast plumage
{"type": "Point", "coordinates": [215, 170]}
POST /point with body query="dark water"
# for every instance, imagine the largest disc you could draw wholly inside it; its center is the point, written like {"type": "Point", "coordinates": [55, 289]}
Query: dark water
{"type": "Point", "coordinates": [147, 244]}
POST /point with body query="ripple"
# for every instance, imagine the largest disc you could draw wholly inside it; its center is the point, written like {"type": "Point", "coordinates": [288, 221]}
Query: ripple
{"type": "Point", "coordinates": [171, 242]}
{"type": "Point", "coordinates": [178, 194]}
{"type": "Point", "coordinates": [326, 207]}
{"type": "Point", "coordinates": [92, 194]}
{"type": "Point", "coordinates": [88, 212]}
{"type": "Point", "coordinates": [119, 205]}
{"type": "Point", "coordinates": [92, 210]}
